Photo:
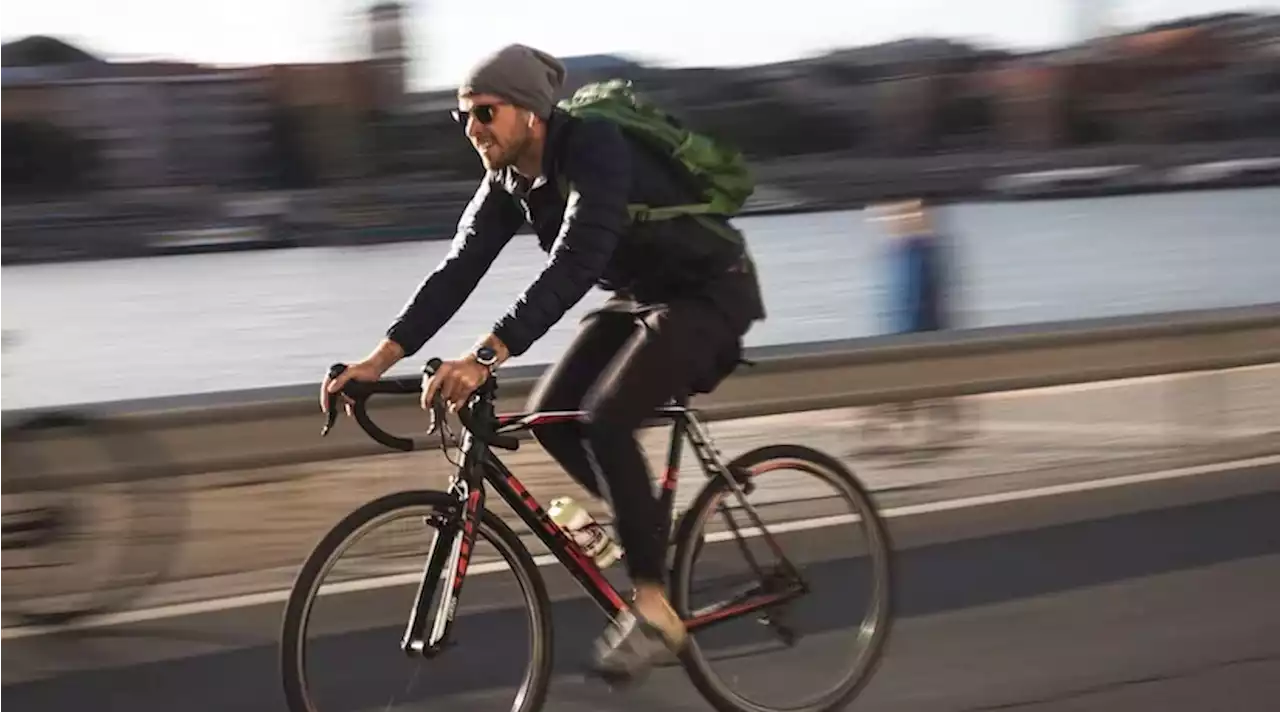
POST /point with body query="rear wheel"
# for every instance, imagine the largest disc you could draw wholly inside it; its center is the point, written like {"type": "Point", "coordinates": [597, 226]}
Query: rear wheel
{"type": "Point", "coordinates": [827, 526]}
{"type": "Point", "coordinates": [390, 588]}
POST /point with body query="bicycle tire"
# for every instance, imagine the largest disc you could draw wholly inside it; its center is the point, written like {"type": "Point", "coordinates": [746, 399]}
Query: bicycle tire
{"type": "Point", "coordinates": [122, 442]}
{"type": "Point", "coordinates": [688, 544]}
{"type": "Point", "coordinates": [293, 655]}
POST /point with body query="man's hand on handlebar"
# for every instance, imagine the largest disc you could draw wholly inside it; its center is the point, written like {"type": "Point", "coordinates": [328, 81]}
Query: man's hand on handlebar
{"type": "Point", "coordinates": [455, 381]}
{"type": "Point", "coordinates": [358, 391]}
{"type": "Point", "coordinates": [359, 371]}
{"type": "Point", "coordinates": [368, 369]}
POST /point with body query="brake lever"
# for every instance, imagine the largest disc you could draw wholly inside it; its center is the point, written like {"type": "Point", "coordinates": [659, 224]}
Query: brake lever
{"type": "Point", "coordinates": [331, 417]}
{"type": "Point", "coordinates": [437, 410]}
{"type": "Point", "coordinates": [332, 399]}
{"type": "Point", "coordinates": [438, 415]}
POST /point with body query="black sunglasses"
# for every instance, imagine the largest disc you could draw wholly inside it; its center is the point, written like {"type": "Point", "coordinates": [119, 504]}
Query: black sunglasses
{"type": "Point", "coordinates": [484, 113]}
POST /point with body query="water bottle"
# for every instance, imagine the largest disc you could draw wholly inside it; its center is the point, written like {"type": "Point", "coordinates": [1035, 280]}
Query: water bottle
{"type": "Point", "coordinates": [578, 523]}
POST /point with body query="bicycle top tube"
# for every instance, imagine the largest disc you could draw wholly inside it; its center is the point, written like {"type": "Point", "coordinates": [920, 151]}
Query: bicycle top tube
{"type": "Point", "coordinates": [477, 416]}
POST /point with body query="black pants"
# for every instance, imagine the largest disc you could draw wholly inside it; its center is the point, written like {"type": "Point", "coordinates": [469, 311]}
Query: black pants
{"type": "Point", "coordinates": [624, 363]}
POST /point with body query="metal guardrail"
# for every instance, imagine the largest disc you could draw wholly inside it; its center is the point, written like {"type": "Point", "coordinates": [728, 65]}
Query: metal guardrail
{"type": "Point", "coordinates": [276, 426]}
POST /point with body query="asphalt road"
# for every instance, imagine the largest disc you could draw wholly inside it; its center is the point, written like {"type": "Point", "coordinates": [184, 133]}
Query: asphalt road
{"type": "Point", "coordinates": [1153, 595]}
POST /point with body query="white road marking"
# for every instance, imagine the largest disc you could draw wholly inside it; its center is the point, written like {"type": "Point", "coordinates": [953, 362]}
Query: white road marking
{"type": "Point", "coordinates": [1121, 382]}
{"type": "Point", "coordinates": [270, 597]}
{"type": "Point", "coordinates": [1159, 431]}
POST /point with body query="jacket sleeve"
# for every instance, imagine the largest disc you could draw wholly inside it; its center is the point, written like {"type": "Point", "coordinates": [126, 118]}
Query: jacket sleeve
{"type": "Point", "coordinates": [486, 226]}
{"type": "Point", "coordinates": [597, 164]}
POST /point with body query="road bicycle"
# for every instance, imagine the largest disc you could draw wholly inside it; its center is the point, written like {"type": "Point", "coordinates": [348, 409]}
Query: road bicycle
{"type": "Point", "coordinates": [459, 515]}
{"type": "Point", "coordinates": [93, 515]}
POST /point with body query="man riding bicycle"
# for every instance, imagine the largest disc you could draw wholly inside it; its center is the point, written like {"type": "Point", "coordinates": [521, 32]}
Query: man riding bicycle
{"type": "Point", "coordinates": [683, 297]}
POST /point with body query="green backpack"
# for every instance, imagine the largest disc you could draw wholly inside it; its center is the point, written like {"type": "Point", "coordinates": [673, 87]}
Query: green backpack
{"type": "Point", "coordinates": [721, 169]}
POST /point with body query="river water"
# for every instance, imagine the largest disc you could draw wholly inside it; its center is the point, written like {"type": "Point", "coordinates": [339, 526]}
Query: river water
{"type": "Point", "coordinates": [123, 329]}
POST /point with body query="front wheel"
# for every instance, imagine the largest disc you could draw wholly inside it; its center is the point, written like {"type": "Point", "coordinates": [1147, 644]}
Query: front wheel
{"type": "Point", "coordinates": [93, 517]}
{"type": "Point", "coordinates": [471, 670]}
{"type": "Point", "coordinates": [815, 651]}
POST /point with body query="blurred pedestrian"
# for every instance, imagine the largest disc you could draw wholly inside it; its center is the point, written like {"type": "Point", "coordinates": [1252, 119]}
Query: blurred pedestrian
{"type": "Point", "coordinates": [918, 299]}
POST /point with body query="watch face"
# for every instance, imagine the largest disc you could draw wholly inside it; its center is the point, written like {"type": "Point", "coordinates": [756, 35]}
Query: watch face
{"type": "Point", "coordinates": [486, 355]}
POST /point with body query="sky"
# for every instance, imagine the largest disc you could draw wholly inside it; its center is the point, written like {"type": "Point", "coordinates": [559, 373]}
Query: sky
{"type": "Point", "coordinates": [447, 36]}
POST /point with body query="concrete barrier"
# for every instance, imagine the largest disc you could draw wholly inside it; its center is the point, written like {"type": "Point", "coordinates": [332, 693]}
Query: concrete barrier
{"type": "Point", "coordinates": [278, 426]}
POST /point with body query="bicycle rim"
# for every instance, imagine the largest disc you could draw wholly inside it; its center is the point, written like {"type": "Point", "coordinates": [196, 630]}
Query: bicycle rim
{"type": "Point", "coordinates": [870, 632]}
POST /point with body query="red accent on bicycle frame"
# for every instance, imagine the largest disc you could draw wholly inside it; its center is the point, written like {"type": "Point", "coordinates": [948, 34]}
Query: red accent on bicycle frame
{"type": "Point", "coordinates": [469, 525]}
{"type": "Point", "coordinates": [669, 479]}
{"type": "Point", "coordinates": [738, 609]}
{"type": "Point", "coordinates": [586, 563]}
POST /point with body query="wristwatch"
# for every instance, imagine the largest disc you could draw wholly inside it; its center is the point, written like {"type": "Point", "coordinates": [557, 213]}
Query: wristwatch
{"type": "Point", "coordinates": [486, 356]}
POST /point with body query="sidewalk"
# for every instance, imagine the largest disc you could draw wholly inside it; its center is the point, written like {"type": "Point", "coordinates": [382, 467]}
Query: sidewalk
{"type": "Point", "coordinates": [249, 531]}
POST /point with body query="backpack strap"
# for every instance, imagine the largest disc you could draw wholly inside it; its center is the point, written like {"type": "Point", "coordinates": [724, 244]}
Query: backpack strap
{"type": "Point", "coordinates": [645, 213]}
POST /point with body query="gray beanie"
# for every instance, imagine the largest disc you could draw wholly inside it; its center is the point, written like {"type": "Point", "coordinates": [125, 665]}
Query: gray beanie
{"type": "Point", "coordinates": [522, 75]}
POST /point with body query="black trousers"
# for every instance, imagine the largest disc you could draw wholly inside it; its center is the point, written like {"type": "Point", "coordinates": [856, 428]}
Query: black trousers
{"type": "Point", "coordinates": [626, 361]}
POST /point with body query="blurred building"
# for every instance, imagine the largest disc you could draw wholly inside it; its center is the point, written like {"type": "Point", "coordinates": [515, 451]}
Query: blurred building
{"type": "Point", "coordinates": [1029, 104]}
{"type": "Point", "coordinates": [1163, 85]}
{"type": "Point", "coordinates": [29, 95]}
{"type": "Point", "coordinates": [388, 54]}
{"type": "Point", "coordinates": [306, 125]}
{"type": "Point", "coordinates": [904, 111]}
{"type": "Point", "coordinates": [149, 129]}
{"type": "Point", "coordinates": [172, 123]}
{"type": "Point", "coordinates": [1141, 88]}
{"type": "Point", "coordinates": [321, 113]}
{"type": "Point", "coordinates": [188, 129]}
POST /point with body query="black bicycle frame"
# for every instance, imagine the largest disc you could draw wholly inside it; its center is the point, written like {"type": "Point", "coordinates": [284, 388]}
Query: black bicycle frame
{"type": "Point", "coordinates": [481, 465]}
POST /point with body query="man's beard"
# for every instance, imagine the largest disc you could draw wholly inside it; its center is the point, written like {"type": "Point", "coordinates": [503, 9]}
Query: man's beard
{"type": "Point", "coordinates": [509, 155]}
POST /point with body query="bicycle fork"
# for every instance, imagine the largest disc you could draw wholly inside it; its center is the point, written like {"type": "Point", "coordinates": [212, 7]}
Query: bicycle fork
{"type": "Point", "coordinates": [450, 552]}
